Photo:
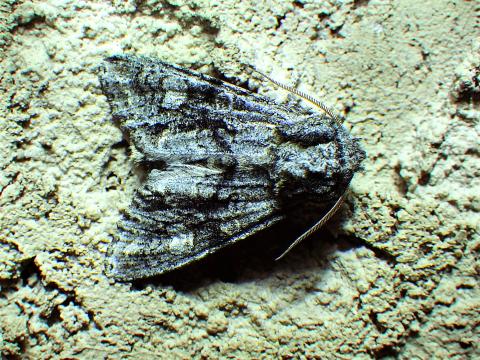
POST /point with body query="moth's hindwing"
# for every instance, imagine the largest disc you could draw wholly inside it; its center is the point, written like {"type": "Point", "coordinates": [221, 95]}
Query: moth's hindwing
{"type": "Point", "coordinates": [222, 163]}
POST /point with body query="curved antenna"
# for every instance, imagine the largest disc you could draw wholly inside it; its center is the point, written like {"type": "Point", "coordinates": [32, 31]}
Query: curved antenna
{"type": "Point", "coordinates": [317, 226]}
{"type": "Point", "coordinates": [303, 95]}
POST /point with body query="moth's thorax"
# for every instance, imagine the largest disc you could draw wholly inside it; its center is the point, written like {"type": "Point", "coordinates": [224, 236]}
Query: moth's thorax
{"type": "Point", "coordinates": [317, 161]}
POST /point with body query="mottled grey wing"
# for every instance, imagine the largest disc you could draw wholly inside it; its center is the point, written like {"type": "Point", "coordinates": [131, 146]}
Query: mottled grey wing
{"type": "Point", "coordinates": [208, 147]}
{"type": "Point", "coordinates": [183, 213]}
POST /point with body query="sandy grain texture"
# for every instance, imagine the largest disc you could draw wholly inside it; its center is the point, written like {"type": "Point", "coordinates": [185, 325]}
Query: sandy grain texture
{"type": "Point", "coordinates": [399, 278]}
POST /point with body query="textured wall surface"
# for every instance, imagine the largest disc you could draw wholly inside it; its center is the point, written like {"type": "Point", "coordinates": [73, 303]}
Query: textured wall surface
{"type": "Point", "coordinates": [394, 274]}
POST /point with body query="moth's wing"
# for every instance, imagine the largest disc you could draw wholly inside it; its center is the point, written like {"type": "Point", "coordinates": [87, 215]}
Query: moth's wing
{"type": "Point", "coordinates": [209, 148]}
{"type": "Point", "coordinates": [184, 213]}
{"type": "Point", "coordinates": [175, 115]}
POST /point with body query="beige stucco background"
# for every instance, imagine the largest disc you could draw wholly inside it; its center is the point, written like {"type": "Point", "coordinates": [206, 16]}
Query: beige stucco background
{"type": "Point", "coordinates": [395, 274]}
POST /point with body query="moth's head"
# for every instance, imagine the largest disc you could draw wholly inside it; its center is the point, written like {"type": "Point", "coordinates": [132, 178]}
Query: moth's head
{"type": "Point", "coordinates": [316, 160]}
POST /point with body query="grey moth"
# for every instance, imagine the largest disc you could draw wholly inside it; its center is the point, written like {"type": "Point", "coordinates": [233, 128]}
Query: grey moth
{"type": "Point", "coordinates": [222, 163]}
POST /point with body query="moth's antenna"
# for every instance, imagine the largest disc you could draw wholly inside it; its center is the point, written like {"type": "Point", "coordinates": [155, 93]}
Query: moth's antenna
{"type": "Point", "coordinates": [307, 97]}
{"type": "Point", "coordinates": [317, 226]}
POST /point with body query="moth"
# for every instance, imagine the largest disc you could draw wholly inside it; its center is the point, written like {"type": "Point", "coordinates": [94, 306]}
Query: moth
{"type": "Point", "coordinates": [221, 163]}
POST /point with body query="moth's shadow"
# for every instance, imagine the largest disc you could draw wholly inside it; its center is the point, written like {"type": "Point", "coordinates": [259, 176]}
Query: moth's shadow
{"type": "Point", "coordinates": [247, 260]}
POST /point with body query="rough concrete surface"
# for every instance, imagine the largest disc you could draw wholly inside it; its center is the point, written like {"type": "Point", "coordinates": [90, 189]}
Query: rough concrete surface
{"type": "Point", "coordinates": [394, 274]}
